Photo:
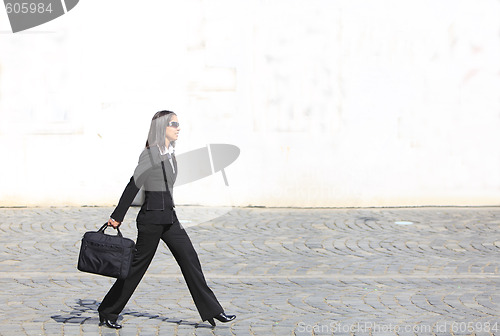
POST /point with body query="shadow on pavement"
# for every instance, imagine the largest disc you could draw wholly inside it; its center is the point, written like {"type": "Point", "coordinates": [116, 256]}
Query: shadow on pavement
{"type": "Point", "coordinates": [85, 311]}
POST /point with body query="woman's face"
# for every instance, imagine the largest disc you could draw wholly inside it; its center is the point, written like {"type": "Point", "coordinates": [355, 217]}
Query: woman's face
{"type": "Point", "coordinates": [172, 133]}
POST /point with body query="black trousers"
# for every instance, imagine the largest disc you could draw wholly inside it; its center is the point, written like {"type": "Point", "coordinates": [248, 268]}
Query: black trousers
{"type": "Point", "coordinates": [180, 245]}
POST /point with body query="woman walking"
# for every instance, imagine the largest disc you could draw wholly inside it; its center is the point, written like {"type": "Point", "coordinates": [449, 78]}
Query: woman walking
{"type": "Point", "coordinates": [156, 173]}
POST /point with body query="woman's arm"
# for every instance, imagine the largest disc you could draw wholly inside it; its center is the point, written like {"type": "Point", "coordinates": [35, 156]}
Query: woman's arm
{"type": "Point", "coordinates": [126, 200]}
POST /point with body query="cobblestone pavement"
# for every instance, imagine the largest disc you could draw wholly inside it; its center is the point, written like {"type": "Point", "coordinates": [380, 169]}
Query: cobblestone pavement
{"type": "Point", "coordinates": [281, 271]}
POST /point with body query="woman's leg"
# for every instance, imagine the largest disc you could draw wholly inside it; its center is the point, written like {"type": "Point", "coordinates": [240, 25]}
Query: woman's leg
{"type": "Point", "coordinates": [183, 251]}
{"type": "Point", "coordinates": [148, 238]}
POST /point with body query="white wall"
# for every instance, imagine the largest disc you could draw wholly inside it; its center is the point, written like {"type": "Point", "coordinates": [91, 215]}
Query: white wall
{"type": "Point", "coordinates": [332, 103]}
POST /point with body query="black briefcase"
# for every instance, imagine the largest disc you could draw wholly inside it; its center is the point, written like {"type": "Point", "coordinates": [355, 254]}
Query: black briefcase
{"type": "Point", "coordinates": [106, 255]}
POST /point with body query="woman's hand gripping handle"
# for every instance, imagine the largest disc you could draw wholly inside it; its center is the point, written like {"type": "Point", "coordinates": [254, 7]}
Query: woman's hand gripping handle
{"type": "Point", "coordinates": [113, 223]}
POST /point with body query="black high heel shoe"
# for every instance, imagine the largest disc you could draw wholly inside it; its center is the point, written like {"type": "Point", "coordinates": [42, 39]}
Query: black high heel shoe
{"type": "Point", "coordinates": [222, 317]}
{"type": "Point", "coordinates": [108, 322]}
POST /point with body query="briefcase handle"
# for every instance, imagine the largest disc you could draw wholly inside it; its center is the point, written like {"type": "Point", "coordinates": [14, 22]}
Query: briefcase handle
{"type": "Point", "coordinates": [105, 226]}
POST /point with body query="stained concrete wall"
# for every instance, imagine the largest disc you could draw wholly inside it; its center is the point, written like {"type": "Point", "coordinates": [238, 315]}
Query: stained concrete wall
{"type": "Point", "coordinates": [332, 103]}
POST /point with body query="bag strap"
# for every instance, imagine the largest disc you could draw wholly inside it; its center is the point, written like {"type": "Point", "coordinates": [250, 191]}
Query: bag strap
{"type": "Point", "coordinates": [164, 174]}
{"type": "Point", "coordinates": [165, 179]}
{"type": "Point", "coordinates": [105, 226]}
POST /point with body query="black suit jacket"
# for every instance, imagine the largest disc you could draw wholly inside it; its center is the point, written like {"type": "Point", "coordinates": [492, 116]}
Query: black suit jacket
{"type": "Point", "coordinates": [158, 206]}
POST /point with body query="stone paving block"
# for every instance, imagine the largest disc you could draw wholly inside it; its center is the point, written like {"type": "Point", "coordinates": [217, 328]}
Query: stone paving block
{"type": "Point", "coordinates": [53, 329]}
{"type": "Point", "coordinates": [110, 332]}
{"type": "Point", "coordinates": [121, 332]}
{"type": "Point", "coordinates": [71, 330]}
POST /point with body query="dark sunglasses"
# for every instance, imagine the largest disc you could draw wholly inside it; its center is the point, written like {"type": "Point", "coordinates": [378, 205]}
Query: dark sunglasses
{"type": "Point", "coordinates": [174, 124]}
